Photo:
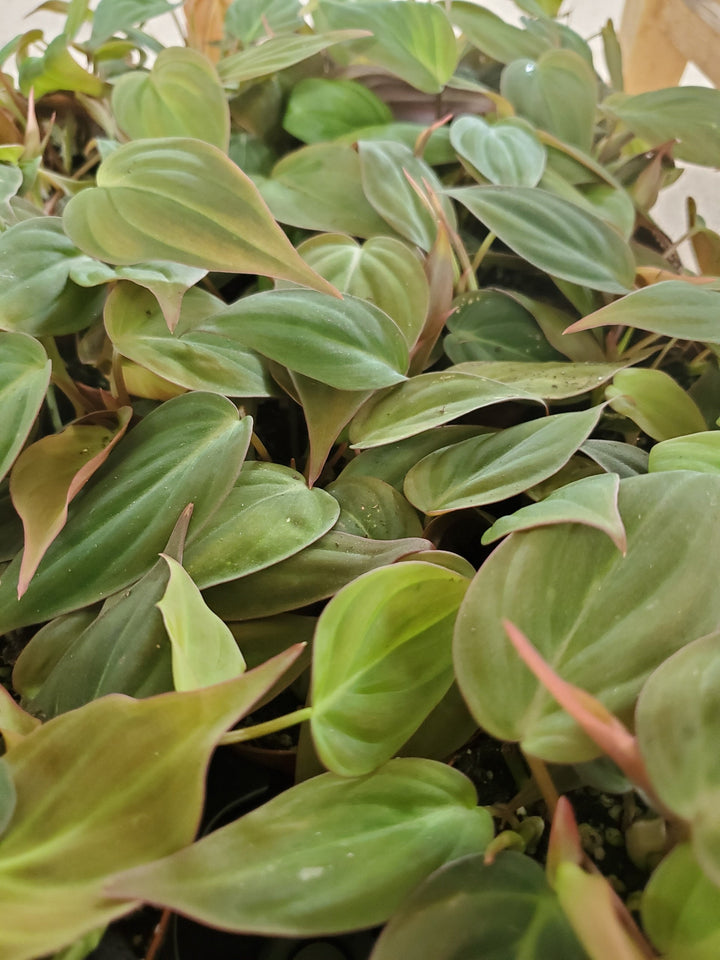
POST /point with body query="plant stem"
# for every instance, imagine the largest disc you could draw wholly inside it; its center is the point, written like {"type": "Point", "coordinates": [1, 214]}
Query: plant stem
{"type": "Point", "coordinates": [482, 250]}
{"type": "Point", "coordinates": [263, 729]}
{"type": "Point", "coordinates": [544, 781]}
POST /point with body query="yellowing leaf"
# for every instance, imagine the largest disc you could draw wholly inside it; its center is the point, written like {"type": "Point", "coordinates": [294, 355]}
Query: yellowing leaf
{"type": "Point", "coordinates": [49, 473]}
{"type": "Point", "coordinates": [204, 650]}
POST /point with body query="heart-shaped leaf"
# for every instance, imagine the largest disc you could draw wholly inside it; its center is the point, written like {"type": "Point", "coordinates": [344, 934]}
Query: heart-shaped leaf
{"type": "Point", "coordinates": [372, 508]}
{"type": "Point", "coordinates": [347, 343]}
{"type": "Point", "coordinates": [399, 824]}
{"type": "Point", "coordinates": [320, 109]}
{"type": "Point", "coordinates": [382, 660]}
{"type": "Point", "coordinates": [492, 468]}
{"type": "Point", "coordinates": [507, 152]}
{"type": "Point", "coordinates": [180, 97]}
{"type": "Point", "coordinates": [182, 200]}
{"type": "Point", "coordinates": [24, 378]}
{"type": "Point", "coordinates": [554, 235]}
{"type": "Point", "coordinates": [618, 617]}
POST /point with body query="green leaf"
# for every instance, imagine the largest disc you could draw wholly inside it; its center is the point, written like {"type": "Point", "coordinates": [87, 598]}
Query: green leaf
{"type": "Point", "coordinates": [557, 93]}
{"type": "Point", "coordinates": [383, 270]}
{"type": "Point", "coordinates": [614, 457]}
{"type": "Point", "coordinates": [490, 325]}
{"type": "Point", "coordinates": [372, 508]}
{"type": "Point", "coordinates": [11, 179]}
{"type": "Point", "coordinates": [315, 573]}
{"type": "Point", "coordinates": [320, 109]}
{"type": "Point", "coordinates": [113, 16]}
{"type": "Point", "coordinates": [602, 621]}
{"type": "Point", "coordinates": [677, 719]}
{"type": "Point", "coordinates": [671, 308]}
{"type": "Point", "coordinates": [188, 356]}
{"type": "Point", "coordinates": [49, 473]}
{"type": "Point", "coordinates": [591, 501]}
{"type": "Point", "coordinates": [318, 188]}
{"type": "Point", "coordinates": [554, 235]}
{"type": "Point", "coordinates": [492, 468]}
{"type": "Point", "coordinates": [278, 53]}
{"type": "Point", "coordinates": [686, 114]}
{"type": "Point", "coordinates": [391, 462]}
{"type": "Point", "coordinates": [57, 70]}
{"type": "Point", "coordinates": [43, 652]}
{"type": "Point", "coordinates": [469, 908]}
{"type": "Point", "coordinates": [699, 451]}
{"type": "Point", "coordinates": [383, 166]}
{"type": "Point", "coordinates": [36, 294]}
{"type": "Point", "coordinates": [382, 660]}
{"type": "Point", "coordinates": [24, 379]}
{"type": "Point", "coordinates": [507, 152]}
{"type": "Point", "coordinates": [398, 824]}
{"type": "Point", "coordinates": [655, 402]}
{"type": "Point", "coordinates": [204, 650]}
{"type": "Point", "coordinates": [182, 200]}
{"type": "Point", "coordinates": [493, 36]}
{"type": "Point", "coordinates": [246, 20]}
{"type": "Point", "coordinates": [269, 515]}
{"type": "Point", "coordinates": [680, 908]}
{"type": "Point", "coordinates": [414, 41]}
{"type": "Point", "coordinates": [57, 853]}
{"type": "Point", "coordinates": [15, 722]}
{"type": "Point", "coordinates": [347, 343]}
{"type": "Point", "coordinates": [180, 97]}
{"type": "Point", "coordinates": [8, 796]}
{"type": "Point", "coordinates": [190, 449]}
{"type": "Point", "coordinates": [427, 401]}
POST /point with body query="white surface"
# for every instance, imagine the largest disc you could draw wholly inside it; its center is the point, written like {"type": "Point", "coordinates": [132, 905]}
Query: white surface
{"type": "Point", "coordinates": [586, 17]}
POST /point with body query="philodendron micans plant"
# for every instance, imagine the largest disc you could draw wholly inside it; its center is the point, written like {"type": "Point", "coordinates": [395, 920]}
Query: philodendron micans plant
{"type": "Point", "coordinates": [359, 432]}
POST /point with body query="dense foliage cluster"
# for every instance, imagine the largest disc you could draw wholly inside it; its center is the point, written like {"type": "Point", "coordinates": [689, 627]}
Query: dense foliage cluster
{"type": "Point", "coordinates": [300, 319]}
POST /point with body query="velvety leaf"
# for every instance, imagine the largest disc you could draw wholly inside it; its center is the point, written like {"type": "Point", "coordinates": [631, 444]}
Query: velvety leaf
{"type": "Point", "coordinates": [611, 204]}
{"type": "Point", "coordinates": [347, 343]}
{"type": "Point", "coordinates": [557, 93]}
{"type": "Point", "coordinates": [182, 200]}
{"type": "Point", "coordinates": [278, 53]}
{"type": "Point", "coordinates": [554, 235]}
{"type": "Point", "coordinates": [382, 661]}
{"type": "Point", "coordinates": [444, 559]}
{"type": "Point", "coordinates": [57, 69]}
{"type": "Point", "coordinates": [580, 347]}
{"type": "Point", "coordinates": [204, 650]}
{"type": "Point", "coordinates": [469, 908]}
{"type": "Point", "coordinates": [314, 574]}
{"type": "Point", "coordinates": [11, 179]}
{"type": "Point", "coordinates": [550, 381]}
{"type": "Point", "coordinates": [372, 508]}
{"type": "Point", "coordinates": [383, 167]}
{"type": "Point", "coordinates": [592, 501]}
{"type": "Point", "coordinates": [189, 450]}
{"type": "Point", "coordinates": [383, 270]}
{"type": "Point", "coordinates": [59, 850]}
{"type": "Point", "coordinates": [43, 652]}
{"type": "Point", "coordinates": [180, 97]}
{"type": "Point", "coordinates": [619, 617]}
{"type": "Point", "coordinates": [248, 20]}
{"type": "Point", "coordinates": [426, 401]}
{"type": "Point", "coordinates": [447, 728]}
{"type": "Point", "coordinates": [680, 907]}
{"type": "Point", "coordinates": [489, 325]}
{"type": "Point", "coordinates": [655, 402]}
{"type": "Point", "coordinates": [437, 149]}
{"type": "Point", "coordinates": [506, 152]}
{"type": "Point", "coordinates": [318, 188]}
{"type": "Point", "coordinates": [699, 451]}
{"type": "Point", "coordinates": [614, 457]}
{"type": "Point", "coordinates": [50, 472]}
{"type": "Point", "coordinates": [320, 109]}
{"type": "Point", "coordinates": [399, 824]}
{"type": "Point", "coordinates": [188, 356]}
{"type": "Point", "coordinates": [677, 720]}
{"type": "Point", "coordinates": [492, 468]}
{"type": "Point", "coordinates": [36, 295]}
{"type": "Point", "coordinates": [24, 378]}
{"type": "Point", "coordinates": [391, 462]}
{"type": "Point", "coordinates": [686, 114]}
{"type": "Point", "coordinates": [413, 41]}
{"type": "Point", "coordinates": [113, 16]}
{"type": "Point", "coordinates": [8, 796]}
{"type": "Point", "coordinates": [269, 515]}
{"type": "Point", "coordinates": [672, 308]}
{"type": "Point", "coordinates": [492, 35]}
